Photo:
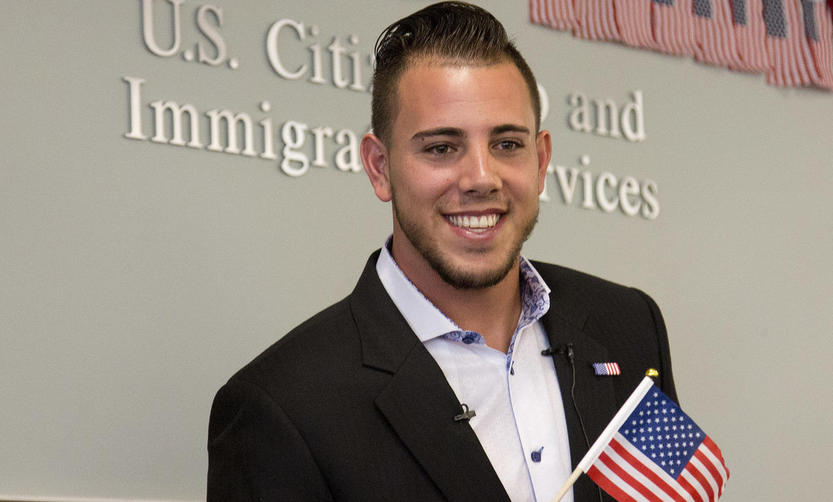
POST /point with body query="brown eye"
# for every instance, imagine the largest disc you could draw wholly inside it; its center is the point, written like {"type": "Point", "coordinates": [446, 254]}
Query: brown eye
{"type": "Point", "coordinates": [509, 144]}
{"type": "Point", "coordinates": [439, 149]}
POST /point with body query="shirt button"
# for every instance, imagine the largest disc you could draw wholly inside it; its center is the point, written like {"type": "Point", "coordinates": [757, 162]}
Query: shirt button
{"type": "Point", "coordinates": [536, 455]}
{"type": "Point", "coordinates": [468, 338]}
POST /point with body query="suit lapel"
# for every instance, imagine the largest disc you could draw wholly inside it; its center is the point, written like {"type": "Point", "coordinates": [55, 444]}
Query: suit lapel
{"type": "Point", "coordinates": [423, 416]}
{"type": "Point", "coordinates": [418, 402]}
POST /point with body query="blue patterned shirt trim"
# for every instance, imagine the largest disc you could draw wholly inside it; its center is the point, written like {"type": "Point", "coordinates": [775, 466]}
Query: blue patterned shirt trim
{"type": "Point", "coordinates": [535, 295]}
{"type": "Point", "coordinates": [535, 302]}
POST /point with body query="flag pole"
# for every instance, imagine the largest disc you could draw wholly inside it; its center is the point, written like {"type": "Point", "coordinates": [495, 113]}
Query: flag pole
{"type": "Point", "coordinates": [602, 441]}
{"type": "Point", "coordinates": [569, 484]}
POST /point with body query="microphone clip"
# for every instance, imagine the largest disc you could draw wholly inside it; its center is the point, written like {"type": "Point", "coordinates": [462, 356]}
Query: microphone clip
{"type": "Point", "coordinates": [566, 349]}
{"type": "Point", "coordinates": [466, 415]}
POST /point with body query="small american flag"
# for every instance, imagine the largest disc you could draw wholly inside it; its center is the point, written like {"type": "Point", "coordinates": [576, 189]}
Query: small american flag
{"type": "Point", "coordinates": [789, 52]}
{"type": "Point", "coordinates": [596, 20]}
{"type": "Point", "coordinates": [818, 26]}
{"type": "Point", "coordinates": [674, 26]}
{"type": "Point", "coordinates": [750, 36]}
{"type": "Point", "coordinates": [606, 369]}
{"type": "Point", "coordinates": [714, 33]}
{"type": "Point", "coordinates": [634, 20]}
{"type": "Point", "coordinates": [557, 14]}
{"type": "Point", "coordinates": [653, 451]}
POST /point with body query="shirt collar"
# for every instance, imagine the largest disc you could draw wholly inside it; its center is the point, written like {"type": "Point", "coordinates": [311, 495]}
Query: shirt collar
{"type": "Point", "coordinates": [428, 322]}
{"type": "Point", "coordinates": [535, 295]}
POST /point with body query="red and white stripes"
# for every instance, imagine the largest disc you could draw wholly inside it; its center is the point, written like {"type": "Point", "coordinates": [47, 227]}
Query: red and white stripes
{"type": "Point", "coordinates": [750, 37]}
{"type": "Point", "coordinates": [629, 475]}
{"type": "Point", "coordinates": [822, 48]}
{"type": "Point", "coordinates": [721, 32]}
{"type": "Point", "coordinates": [789, 55]}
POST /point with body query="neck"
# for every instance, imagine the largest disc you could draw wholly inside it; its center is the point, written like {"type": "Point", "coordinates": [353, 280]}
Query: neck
{"type": "Point", "coordinates": [492, 312]}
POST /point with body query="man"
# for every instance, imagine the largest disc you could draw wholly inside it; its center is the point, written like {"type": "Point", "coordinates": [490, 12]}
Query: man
{"type": "Point", "coordinates": [456, 369]}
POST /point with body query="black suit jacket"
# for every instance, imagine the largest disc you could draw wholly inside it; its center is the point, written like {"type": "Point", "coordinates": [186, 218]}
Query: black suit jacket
{"type": "Point", "coordinates": [351, 406]}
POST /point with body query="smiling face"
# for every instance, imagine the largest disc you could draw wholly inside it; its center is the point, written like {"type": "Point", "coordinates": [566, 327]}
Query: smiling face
{"type": "Point", "coordinates": [463, 168]}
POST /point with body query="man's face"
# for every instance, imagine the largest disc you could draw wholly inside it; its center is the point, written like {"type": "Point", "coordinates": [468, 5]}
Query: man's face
{"type": "Point", "coordinates": [464, 169]}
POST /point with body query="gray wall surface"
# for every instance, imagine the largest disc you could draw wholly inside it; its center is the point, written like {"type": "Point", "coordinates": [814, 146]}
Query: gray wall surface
{"type": "Point", "coordinates": [137, 276]}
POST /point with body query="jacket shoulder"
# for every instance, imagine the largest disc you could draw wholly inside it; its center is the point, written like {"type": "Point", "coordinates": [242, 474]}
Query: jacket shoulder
{"type": "Point", "coordinates": [316, 343]}
{"type": "Point", "coordinates": [583, 293]}
{"type": "Point", "coordinates": [624, 319]}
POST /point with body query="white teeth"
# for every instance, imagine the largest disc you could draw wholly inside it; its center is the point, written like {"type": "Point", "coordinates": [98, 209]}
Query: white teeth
{"type": "Point", "coordinates": [475, 223]}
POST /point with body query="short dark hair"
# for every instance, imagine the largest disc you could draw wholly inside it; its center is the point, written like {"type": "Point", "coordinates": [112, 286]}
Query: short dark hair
{"type": "Point", "coordinates": [450, 32]}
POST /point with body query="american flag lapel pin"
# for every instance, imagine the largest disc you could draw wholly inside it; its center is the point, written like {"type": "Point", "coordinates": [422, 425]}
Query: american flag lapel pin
{"type": "Point", "coordinates": [607, 369]}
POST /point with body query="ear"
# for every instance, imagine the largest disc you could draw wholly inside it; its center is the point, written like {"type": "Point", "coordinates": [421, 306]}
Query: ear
{"type": "Point", "coordinates": [543, 146]}
{"type": "Point", "coordinates": [376, 165]}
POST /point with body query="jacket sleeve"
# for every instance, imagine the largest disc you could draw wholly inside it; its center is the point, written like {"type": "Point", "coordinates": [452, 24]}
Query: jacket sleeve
{"type": "Point", "coordinates": [255, 452]}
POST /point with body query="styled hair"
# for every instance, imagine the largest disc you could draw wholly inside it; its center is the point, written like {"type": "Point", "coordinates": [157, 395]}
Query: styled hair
{"type": "Point", "coordinates": [456, 33]}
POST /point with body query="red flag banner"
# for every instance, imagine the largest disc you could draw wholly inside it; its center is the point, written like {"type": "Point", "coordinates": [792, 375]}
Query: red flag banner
{"type": "Point", "coordinates": [790, 41]}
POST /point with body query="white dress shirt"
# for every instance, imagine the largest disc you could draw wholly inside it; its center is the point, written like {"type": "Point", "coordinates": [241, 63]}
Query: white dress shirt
{"type": "Point", "coordinates": [519, 417]}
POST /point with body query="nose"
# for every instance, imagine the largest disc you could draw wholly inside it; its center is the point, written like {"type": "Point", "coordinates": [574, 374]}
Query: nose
{"type": "Point", "coordinates": [479, 174]}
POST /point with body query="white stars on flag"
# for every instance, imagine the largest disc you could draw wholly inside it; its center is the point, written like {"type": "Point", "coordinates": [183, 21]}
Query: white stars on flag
{"type": "Point", "coordinates": [658, 452]}
{"type": "Point", "coordinates": [649, 412]}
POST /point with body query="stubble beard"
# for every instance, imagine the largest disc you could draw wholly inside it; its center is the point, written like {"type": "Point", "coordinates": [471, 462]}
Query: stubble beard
{"type": "Point", "coordinates": [454, 276]}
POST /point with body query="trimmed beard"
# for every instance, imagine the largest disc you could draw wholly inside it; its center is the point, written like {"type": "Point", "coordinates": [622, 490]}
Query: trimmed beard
{"type": "Point", "coordinates": [456, 278]}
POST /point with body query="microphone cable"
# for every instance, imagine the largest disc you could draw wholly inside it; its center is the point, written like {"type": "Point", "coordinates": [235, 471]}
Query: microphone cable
{"type": "Point", "coordinates": [569, 354]}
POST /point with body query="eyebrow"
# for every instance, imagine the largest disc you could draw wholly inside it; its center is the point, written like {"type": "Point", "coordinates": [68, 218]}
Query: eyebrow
{"type": "Point", "coordinates": [456, 132]}
{"type": "Point", "coordinates": [440, 131]}
{"type": "Point", "coordinates": [510, 128]}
